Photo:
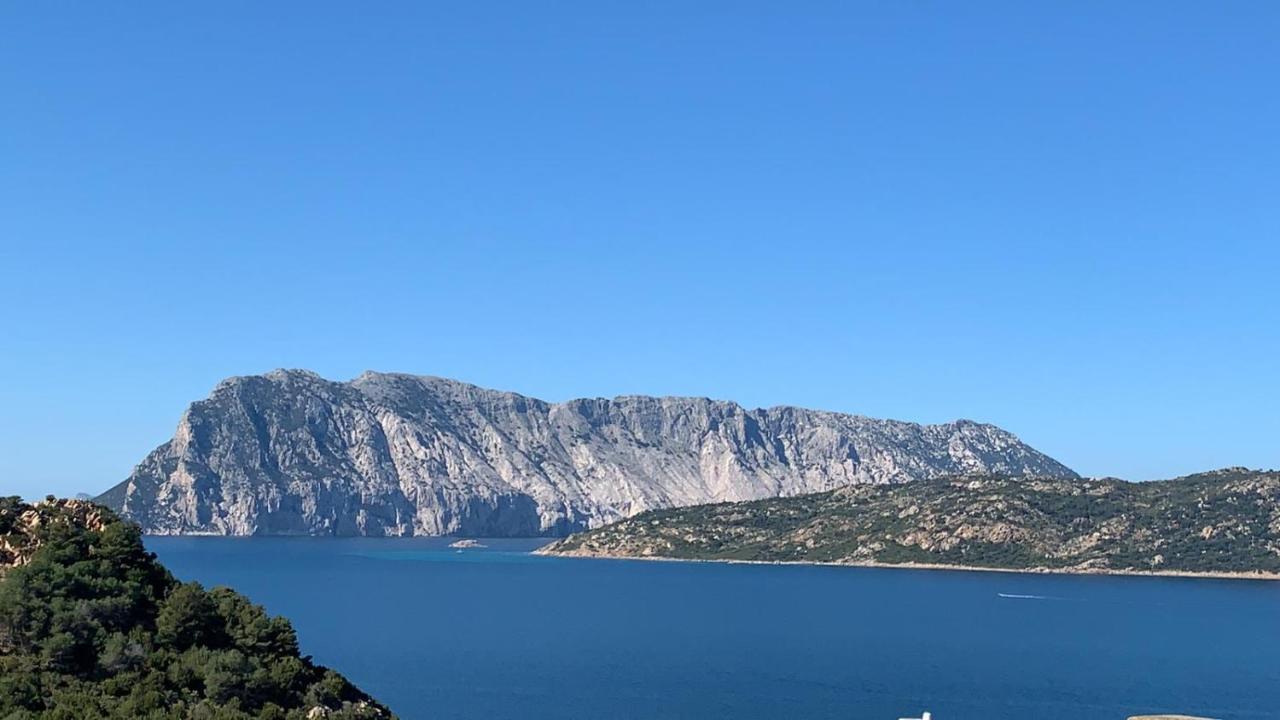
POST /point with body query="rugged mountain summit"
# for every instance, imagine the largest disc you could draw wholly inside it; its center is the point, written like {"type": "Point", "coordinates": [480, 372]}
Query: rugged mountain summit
{"type": "Point", "coordinates": [292, 453]}
{"type": "Point", "coordinates": [1226, 521]}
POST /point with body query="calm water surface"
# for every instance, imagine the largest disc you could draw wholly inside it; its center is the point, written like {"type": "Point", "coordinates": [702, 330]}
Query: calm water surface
{"type": "Point", "coordinates": [497, 633]}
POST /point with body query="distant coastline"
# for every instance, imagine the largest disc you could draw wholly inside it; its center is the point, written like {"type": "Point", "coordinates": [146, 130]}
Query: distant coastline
{"type": "Point", "coordinates": [1220, 524]}
{"type": "Point", "coordinates": [1255, 575]}
{"type": "Point", "coordinates": [577, 555]}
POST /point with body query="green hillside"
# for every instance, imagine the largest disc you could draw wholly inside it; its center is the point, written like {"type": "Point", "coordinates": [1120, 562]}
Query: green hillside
{"type": "Point", "coordinates": [91, 626]}
{"type": "Point", "coordinates": [1221, 522]}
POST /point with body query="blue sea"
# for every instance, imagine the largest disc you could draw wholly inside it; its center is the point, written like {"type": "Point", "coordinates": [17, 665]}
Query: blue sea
{"type": "Point", "coordinates": [498, 633]}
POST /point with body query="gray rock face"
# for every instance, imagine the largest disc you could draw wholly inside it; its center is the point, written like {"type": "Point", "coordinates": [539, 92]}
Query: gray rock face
{"type": "Point", "coordinates": [290, 453]}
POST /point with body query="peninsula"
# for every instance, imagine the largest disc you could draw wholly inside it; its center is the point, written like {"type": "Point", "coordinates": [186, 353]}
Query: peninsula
{"type": "Point", "coordinates": [1225, 522]}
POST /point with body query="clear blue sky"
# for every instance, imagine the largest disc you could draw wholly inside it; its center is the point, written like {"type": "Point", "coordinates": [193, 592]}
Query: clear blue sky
{"type": "Point", "coordinates": [1063, 218]}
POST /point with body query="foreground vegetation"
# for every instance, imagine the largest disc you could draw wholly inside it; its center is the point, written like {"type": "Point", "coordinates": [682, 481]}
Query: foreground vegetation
{"type": "Point", "coordinates": [1221, 522]}
{"type": "Point", "coordinates": [91, 626]}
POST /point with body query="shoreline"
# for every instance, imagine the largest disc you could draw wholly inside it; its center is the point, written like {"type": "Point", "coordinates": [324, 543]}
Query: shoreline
{"type": "Point", "coordinates": [1201, 575]}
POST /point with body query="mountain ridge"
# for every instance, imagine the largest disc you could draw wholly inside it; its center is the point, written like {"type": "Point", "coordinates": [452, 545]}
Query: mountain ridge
{"type": "Point", "coordinates": [290, 452]}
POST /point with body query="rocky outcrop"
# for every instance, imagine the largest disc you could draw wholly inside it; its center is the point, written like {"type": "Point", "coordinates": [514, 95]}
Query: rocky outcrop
{"type": "Point", "coordinates": [385, 454]}
{"type": "Point", "coordinates": [21, 525]}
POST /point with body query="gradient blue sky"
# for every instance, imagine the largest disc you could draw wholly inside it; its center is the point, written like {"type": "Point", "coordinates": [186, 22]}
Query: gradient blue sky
{"type": "Point", "coordinates": [1061, 218]}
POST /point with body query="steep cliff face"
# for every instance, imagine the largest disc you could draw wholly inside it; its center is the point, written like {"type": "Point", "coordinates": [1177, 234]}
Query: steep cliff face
{"type": "Point", "coordinates": [292, 453]}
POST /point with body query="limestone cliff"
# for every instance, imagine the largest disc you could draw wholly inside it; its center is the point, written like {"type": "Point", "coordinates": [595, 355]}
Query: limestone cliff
{"type": "Point", "coordinates": [292, 453]}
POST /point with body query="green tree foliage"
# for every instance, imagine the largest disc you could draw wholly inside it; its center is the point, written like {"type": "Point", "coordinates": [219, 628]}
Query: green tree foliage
{"type": "Point", "coordinates": [188, 618]}
{"type": "Point", "coordinates": [91, 626]}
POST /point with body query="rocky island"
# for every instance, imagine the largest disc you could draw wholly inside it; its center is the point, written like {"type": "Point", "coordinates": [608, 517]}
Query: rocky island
{"type": "Point", "coordinates": [1223, 522]}
{"type": "Point", "coordinates": [91, 626]}
{"type": "Point", "coordinates": [291, 453]}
